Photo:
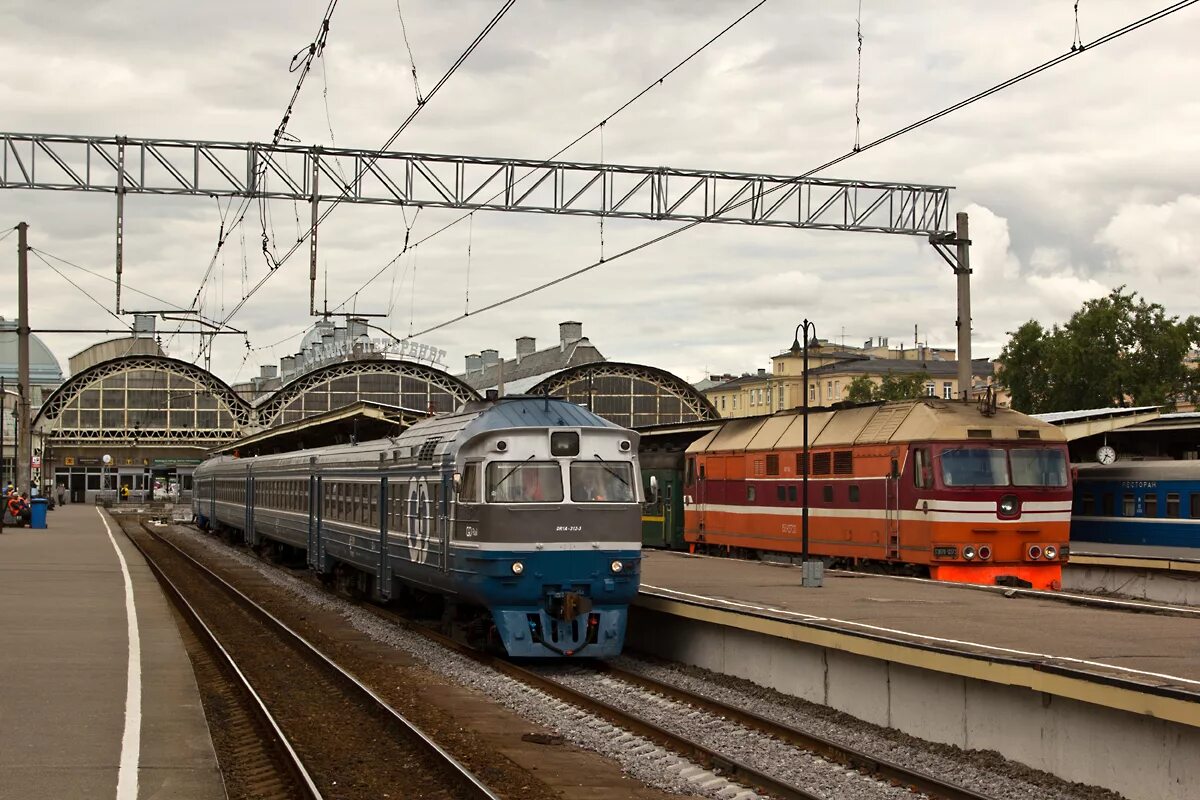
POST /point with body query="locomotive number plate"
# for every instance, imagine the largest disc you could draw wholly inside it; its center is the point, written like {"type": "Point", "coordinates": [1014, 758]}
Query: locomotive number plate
{"type": "Point", "coordinates": [945, 552]}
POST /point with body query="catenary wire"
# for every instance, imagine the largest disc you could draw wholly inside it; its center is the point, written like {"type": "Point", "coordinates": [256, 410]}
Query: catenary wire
{"type": "Point", "coordinates": [103, 277]}
{"type": "Point", "coordinates": [599, 126]}
{"type": "Point", "coordinates": [371, 161]}
{"type": "Point", "coordinates": [82, 291]}
{"type": "Point", "coordinates": [1105, 39]}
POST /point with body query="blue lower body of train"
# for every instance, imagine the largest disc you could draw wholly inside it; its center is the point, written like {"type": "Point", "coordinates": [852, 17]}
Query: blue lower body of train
{"type": "Point", "coordinates": [1158, 532]}
{"type": "Point", "coordinates": [563, 603]}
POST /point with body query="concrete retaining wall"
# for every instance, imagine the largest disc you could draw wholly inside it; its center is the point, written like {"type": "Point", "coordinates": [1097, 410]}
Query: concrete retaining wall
{"type": "Point", "coordinates": [1157, 586]}
{"type": "Point", "coordinates": [1138, 756]}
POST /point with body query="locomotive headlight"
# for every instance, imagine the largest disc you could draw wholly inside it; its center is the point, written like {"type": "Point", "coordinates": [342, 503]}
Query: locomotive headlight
{"type": "Point", "coordinates": [969, 553]}
{"type": "Point", "coordinates": [518, 568]}
{"type": "Point", "coordinates": [1008, 505]}
{"type": "Point", "coordinates": [616, 566]}
{"type": "Point", "coordinates": [1051, 552]}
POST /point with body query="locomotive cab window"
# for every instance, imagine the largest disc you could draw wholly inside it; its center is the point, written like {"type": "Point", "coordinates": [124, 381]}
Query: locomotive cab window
{"type": "Point", "coordinates": [974, 466]}
{"type": "Point", "coordinates": [922, 469]}
{"type": "Point", "coordinates": [1038, 467]}
{"type": "Point", "coordinates": [524, 482]}
{"type": "Point", "coordinates": [602, 482]}
{"type": "Point", "coordinates": [468, 491]}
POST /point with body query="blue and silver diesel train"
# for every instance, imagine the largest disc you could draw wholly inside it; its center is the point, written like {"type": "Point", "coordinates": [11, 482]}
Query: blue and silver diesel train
{"type": "Point", "coordinates": [522, 513]}
{"type": "Point", "coordinates": [1153, 503]}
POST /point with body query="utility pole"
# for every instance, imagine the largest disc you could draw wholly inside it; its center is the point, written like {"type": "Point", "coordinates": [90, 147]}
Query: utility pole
{"type": "Point", "coordinates": [963, 272]}
{"type": "Point", "coordinates": [24, 450]}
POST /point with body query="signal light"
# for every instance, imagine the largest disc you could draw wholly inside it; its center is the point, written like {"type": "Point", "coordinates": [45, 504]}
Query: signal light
{"type": "Point", "coordinates": [1051, 552]}
{"type": "Point", "coordinates": [985, 552]}
{"type": "Point", "coordinates": [1035, 552]}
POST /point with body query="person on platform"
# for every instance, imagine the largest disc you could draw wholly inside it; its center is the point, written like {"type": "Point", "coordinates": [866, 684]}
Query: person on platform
{"type": "Point", "coordinates": [18, 509]}
{"type": "Point", "coordinates": [124, 492]}
{"type": "Point", "coordinates": [61, 491]}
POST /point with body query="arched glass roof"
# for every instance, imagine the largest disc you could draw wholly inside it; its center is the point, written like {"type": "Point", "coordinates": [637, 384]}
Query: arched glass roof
{"type": "Point", "coordinates": [631, 395]}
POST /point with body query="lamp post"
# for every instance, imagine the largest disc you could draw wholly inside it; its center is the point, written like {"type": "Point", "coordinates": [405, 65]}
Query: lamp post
{"type": "Point", "coordinates": [813, 570]}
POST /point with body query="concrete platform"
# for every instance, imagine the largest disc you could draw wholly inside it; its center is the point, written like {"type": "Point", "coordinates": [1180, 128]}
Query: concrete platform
{"type": "Point", "coordinates": [1182, 554]}
{"type": "Point", "coordinates": [1154, 649]}
{"type": "Point", "coordinates": [66, 671]}
{"type": "Point", "coordinates": [1105, 696]}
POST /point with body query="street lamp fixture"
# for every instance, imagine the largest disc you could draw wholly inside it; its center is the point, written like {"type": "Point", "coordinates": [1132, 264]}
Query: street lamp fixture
{"type": "Point", "coordinates": [813, 570]}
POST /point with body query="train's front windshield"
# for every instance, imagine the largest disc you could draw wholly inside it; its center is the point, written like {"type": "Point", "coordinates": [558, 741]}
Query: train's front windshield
{"type": "Point", "coordinates": [524, 482]}
{"type": "Point", "coordinates": [987, 466]}
{"type": "Point", "coordinates": [602, 482]}
{"type": "Point", "coordinates": [1038, 467]}
{"type": "Point", "coordinates": [975, 466]}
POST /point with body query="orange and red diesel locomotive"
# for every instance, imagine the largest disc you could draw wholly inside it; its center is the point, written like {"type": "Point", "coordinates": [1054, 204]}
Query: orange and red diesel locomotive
{"type": "Point", "coordinates": [970, 495]}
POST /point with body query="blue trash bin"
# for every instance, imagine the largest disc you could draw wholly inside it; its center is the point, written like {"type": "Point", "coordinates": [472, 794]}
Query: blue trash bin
{"type": "Point", "coordinates": [37, 512]}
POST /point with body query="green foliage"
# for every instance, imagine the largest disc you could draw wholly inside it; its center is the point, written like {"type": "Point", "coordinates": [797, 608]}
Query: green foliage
{"type": "Point", "coordinates": [908, 387]}
{"type": "Point", "coordinates": [1116, 350]}
{"type": "Point", "coordinates": [861, 390]}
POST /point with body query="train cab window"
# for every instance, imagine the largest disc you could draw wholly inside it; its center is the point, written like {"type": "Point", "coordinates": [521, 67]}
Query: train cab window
{"type": "Point", "coordinates": [974, 466]}
{"type": "Point", "coordinates": [1150, 505]}
{"type": "Point", "coordinates": [1195, 509]}
{"type": "Point", "coordinates": [792, 493]}
{"type": "Point", "coordinates": [524, 482]}
{"type": "Point", "coordinates": [751, 493]}
{"type": "Point", "coordinates": [1106, 504]}
{"type": "Point", "coordinates": [922, 469]}
{"type": "Point", "coordinates": [1127, 505]}
{"type": "Point", "coordinates": [601, 482]}
{"type": "Point", "coordinates": [468, 491]}
{"type": "Point", "coordinates": [781, 494]}
{"type": "Point", "coordinates": [1087, 504]}
{"type": "Point", "coordinates": [1032, 467]}
{"type": "Point", "coordinates": [827, 493]}
{"type": "Point", "coordinates": [1173, 505]}
{"type": "Point", "coordinates": [853, 493]}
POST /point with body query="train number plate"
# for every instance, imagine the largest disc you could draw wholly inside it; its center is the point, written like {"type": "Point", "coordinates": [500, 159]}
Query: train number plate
{"type": "Point", "coordinates": [945, 551]}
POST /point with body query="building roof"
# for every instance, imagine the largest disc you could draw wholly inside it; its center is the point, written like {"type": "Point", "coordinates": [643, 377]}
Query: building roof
{"type": "Point", "coordinates": [1091, 421]}
{"type": "Point", "coordinates": [538, 364]}
{"type": "Point", "coordinates": [44, 368]}
{"type": "Point", "coordinates": [882, 366]}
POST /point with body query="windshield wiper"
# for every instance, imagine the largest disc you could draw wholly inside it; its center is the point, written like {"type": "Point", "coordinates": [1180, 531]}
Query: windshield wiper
{"type": "Point", "coordinates": [510, 473]}
{"type": "Point", "coordinates": [610, 470]}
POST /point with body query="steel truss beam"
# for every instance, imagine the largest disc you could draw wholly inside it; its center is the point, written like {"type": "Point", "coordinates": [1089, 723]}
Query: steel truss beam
{"type": "Point", "coordinates": [120, 165]}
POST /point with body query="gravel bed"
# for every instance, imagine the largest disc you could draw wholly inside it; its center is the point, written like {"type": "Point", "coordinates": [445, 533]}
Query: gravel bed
{"type": "Point", "coordinates": [767, 754]}
{"type": "Point", "coordinates": [639, 758]}
{"type": "Point", "coordinates": [983, 771]}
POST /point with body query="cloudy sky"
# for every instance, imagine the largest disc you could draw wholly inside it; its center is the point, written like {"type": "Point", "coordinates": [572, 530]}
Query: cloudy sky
{"type": "Point", "coordinates": [1076, 181]}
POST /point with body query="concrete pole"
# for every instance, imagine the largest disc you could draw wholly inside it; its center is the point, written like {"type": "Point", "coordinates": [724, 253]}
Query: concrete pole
{"type": "Point", "coordinates": [963, 272]}
{"type": "Point", "coordinates": [312, 241]}
{"type": "Point", "coordinates": [24, 451]}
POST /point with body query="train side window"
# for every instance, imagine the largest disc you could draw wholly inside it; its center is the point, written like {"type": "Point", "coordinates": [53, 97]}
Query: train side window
{"type": "Point", "coordinates": [469, 488]}
{"type": "Point", "coordinates": [792, 493]}
{"type": "Point", "coordinates": [853, 490]}
{"type": "Point", "coordinates": [1195, 509]}
{"type": "Point", "coordinates": [1087, 504]}
{"type": "Point", "coordinates": [750, 493]}
{"type": "Point", "coordinates": [1150, 502]}
{"type": "Point", "coordinates": [1107, 503]}
{"type": "Point", "coordinates": [922, 469]}
{"type": "Point", "coordinates": [374, 490]}
{"type": "Point", "coordinates": [1127, 505]}
{"type": "Point", "coordinates": [1173, 505]}
{"type": "Point", "coordinates": [827, 493]}
{"type": "Point", "coordinates": [801, 466]}
{"type": "Point", "coordinates": [781, 493]}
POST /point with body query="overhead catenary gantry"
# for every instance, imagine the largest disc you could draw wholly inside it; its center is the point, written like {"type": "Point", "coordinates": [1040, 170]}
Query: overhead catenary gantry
{"type": "Point", "coordinates": [122, 165]}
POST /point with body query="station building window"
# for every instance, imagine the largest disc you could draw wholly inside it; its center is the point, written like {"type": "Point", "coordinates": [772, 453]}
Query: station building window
{"type": "Point", "coordinates": [930, 389]}
{"type": "Point", "coordinates": [947, 390]}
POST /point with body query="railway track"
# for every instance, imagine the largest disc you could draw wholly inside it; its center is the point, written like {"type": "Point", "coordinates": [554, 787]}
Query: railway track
{"type": "Point", "coordinates": [330, 732]}
{"type": "Point", "coordinates": [713, 758]}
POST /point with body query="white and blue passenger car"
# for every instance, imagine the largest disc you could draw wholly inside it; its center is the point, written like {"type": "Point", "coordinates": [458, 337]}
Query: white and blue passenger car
{"type": "Point", "coordinates": [522, 513]}
{"type": "Point", "coordinates": [1155, 503]}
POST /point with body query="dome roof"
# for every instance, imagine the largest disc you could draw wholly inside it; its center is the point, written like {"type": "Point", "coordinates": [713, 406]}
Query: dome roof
{"type": "Point", "coordinates": [43, 366]}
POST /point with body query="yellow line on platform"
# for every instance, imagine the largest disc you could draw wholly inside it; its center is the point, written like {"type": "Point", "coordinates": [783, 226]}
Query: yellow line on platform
{"type": "Point", "coordinates": [1186, 712]}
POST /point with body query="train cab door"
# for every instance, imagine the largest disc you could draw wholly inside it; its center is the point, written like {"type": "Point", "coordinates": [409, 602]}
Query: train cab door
{"type": "Point", "coordinates": [891, 513]}
{"type": "Point", "coordinates": [444, 503]}
{"type": "Point", "coordinates": [668, 492]}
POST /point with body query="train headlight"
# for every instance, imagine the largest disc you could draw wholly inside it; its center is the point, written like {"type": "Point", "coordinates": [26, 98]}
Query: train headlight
{"type": "Point", "coordinates": [1035, 552]}
{"type": "Point", "coordinates": [1008, 505]}
{"type": "Point", "coordinates": [616, 566]}
{"type": "Point", "coordinates": [518, 568]}
{"type": "Point", "coordinates": [1051, 552]}
{"type": "Point", "coordinates": [969, 553]}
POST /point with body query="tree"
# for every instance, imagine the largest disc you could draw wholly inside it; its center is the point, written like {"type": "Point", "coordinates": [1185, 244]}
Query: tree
{"type": "Point", "coordinates": [909, 387]}
{"type": "Point", "coordinates": [1116, 350]}
{"type": "Point", "coordinates": [861, 390]}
